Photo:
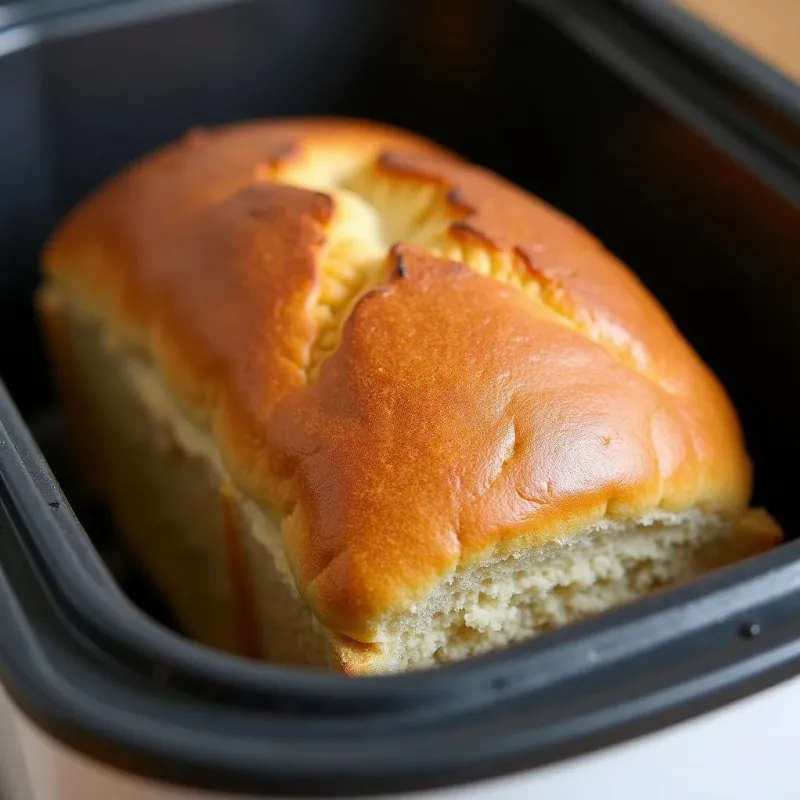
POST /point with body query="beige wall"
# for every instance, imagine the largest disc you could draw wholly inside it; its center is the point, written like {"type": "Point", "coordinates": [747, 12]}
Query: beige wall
{"type": "Point", "coordinates": [769, 28]}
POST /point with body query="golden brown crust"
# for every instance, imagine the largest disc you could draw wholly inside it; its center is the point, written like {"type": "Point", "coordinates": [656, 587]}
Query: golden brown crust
{"type": "Point", "coordinates": [198, 256]}
{"type": "Point", "coordinates": [432, 438]}
{"type": "Point", "coordinates": [458, 415]}
{"type": "Point", "coordinates": [228, 322]}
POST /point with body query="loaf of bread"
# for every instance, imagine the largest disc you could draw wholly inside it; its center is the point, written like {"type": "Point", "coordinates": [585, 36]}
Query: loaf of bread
{"type": "Point", "coordinates": [356, 403]}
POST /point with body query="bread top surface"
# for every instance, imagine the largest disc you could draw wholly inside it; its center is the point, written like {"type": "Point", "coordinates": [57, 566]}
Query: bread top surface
{"type": "Point", "coordinates": [419, 363]}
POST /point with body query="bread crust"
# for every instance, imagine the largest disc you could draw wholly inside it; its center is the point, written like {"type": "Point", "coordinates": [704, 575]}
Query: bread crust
{"type": "Point", "coordinates": [457, 417]}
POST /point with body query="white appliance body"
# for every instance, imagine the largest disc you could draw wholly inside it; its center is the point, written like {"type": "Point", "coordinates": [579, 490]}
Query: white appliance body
{"type": "Point", "coordinates": [743, 751]}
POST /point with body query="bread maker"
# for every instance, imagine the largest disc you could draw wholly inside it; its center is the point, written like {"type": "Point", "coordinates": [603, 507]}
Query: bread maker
{"type": "Point", "coordinates": [673, 145]}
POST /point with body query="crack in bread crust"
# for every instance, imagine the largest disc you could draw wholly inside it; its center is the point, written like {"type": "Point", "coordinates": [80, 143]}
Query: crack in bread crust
{"type": "Point", "coordinates": [389, 211]}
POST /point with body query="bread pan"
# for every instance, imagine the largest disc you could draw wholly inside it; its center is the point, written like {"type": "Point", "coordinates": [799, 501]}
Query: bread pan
{"type": "Point", "coordinates": [686, 173]}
